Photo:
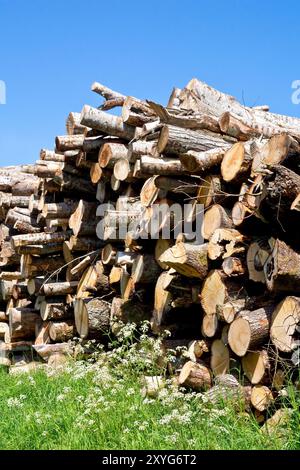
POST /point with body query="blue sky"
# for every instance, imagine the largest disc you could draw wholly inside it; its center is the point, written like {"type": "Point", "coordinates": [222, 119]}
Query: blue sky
{"type": "Point", "coordinates": [51, 51]}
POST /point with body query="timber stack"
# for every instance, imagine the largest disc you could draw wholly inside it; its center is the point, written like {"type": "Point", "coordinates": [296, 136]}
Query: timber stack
{"type": "Point", "coordinates": [233, 298]}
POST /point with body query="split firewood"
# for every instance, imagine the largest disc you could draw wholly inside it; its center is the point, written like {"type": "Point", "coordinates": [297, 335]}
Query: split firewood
{"type": "Point", "coordinates": [152, 386]}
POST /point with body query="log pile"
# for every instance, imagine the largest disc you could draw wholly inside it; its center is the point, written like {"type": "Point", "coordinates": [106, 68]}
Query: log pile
{"type": "Point", "coordinates": [67, 268]}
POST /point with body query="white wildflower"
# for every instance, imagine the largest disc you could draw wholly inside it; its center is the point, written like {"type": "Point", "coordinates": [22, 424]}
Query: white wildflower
{"type": "Point", "coordinates": [174, 437]}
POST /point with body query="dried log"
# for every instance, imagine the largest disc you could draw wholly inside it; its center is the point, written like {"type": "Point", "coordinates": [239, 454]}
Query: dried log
{"type": "Point", "coordinates": [92, 318]}
{"type": "Point", "coordinates": [161, 166]}
{"type": "Point", "coordinates": [214, 218]}
{"type": "Point", "coordinates": [106, 123]}
{"type": "Point", "coordinates": [42, 335]}
{"type": "Point", "coordinates": [196, 376]}
{"type": "Point", "coordinates": [282, 269]}
{"type": "Point", "coordinates": [284, 324]}
{"type": "Point", "coordinates": [110, 153]}
{"type": "Point", "coordinates": [39, 238]}
{"type": "Point", "coordinates": [145, 269]}
{"type": "Point", "coordinates": [106, 92]}
{"type": "Point", "coordinates": [162, 299]}
{"type": "Point", "coordinates": [175, 140]}
{"type": "Point", "coordinates": [199, 162]}
{"type": "Point", "coordinates": [83, 220]}
{"type": "Point", "coordinates": [222, 296]}
{"type": "Point", "coordinates": [59, 288]}
{"type": "Point", "coordinates": [93, 280]}
{"type": "Point", "coordinates": [250, 329]}
{"type": "Point", "coordinates": [61, 331]}
{"type": "Point", "coordinates": [237, 161]}
{"type": "Point", "coordinates": [187, 259]}
{"type": "Point", "coordinates": [73, 125]}
{"type": "Point", "coordinates": [22, 323]}
{"type": "Point", "coordinates": [129, 311]}
{"type": "Point", "coordinates": [35, 266]}
{"type": "Point", "coordinates": [261, 397]}
{"type": "Point", "coordinates": [228, 389]}
{"type": "Point", "coordinates": [226, 243]}
{"type": "Point", "coordinates": [219, 361]}
{"type": "Point", "coordinates": [256, 366]}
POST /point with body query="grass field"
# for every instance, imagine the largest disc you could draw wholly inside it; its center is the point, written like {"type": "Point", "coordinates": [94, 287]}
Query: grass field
{"type": "Point", "coordinates": [99, 405]}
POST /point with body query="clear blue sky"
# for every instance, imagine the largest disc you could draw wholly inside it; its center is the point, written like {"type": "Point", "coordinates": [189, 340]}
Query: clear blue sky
{"type": "Point", "coordinates": [51, 51]}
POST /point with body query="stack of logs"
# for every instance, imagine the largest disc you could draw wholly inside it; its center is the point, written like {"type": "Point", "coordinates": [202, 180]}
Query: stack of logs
{"type": "Point", "coordinates": [232, 300]}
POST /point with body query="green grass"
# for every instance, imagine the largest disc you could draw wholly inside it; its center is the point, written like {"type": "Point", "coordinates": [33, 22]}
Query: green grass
{"type": "Point", "coordinates": [90, 406]}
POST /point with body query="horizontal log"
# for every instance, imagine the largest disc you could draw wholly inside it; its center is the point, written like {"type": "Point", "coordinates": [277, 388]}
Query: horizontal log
{"type": "Point", "coordinates": [175, 140]}
{"type": "Point", "coordinates": [106, 123]}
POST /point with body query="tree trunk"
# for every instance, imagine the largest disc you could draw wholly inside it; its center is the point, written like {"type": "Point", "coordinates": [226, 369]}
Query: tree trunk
{"type": "Point", "coordinates": [214, 218]}
{"type": "Point", "coordinates": [187, 259]}
{"type": "Point", "coordinates": [145, 269]}
{"type": "Point", "coordinates": [106, 123]}
{"type": "Point", "coordinates": [175, 140]}
{"type": "Point", "coordinates": [22, 323]}
{"type": "Point", "coordinates": [161, 166]}
{"type": "Point", "coordinates": [282, 269]}
{"type": "Point", "coordinates": [261, 397]}
{"type": "Point", "coordinates": [219, 361]}
{"type": "Point", "coordinates": [62, 331]}
{"type": "Point", "coordinates": [200, 162]}
{"type": "Point", "coordinates": [256, 366]}
{"type": "Point", "coordinates": [222, 296]}
{"type": "Point", "coordinates": [225, 243]}
{"type": "Point", "coordinates": [59, 288]}
{"type": "Point", "coordinates": [92, 318]}
{"type": "Point", "coordinates": [284, 324]}
{"type": "Point", "coordinates": [250, 330]}
{"type": "Point", "coordinates": [196, 376]}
